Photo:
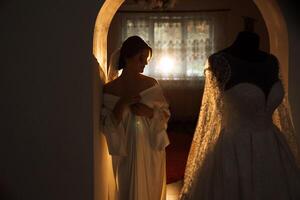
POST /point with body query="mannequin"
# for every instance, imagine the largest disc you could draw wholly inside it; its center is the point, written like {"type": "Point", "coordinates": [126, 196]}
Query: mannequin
{"type": "Point", "coordinates": [248, 63]}
{"type": "Point", "coordinates": [244, 145]}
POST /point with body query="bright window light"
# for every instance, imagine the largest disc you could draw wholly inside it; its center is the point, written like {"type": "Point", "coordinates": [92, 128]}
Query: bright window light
{"type": "Point", "coordinates": [166, 65]}
{"type": "Point", "coordinates": [180, 43]}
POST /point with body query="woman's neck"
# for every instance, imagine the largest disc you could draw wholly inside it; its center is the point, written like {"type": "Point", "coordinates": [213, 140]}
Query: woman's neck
{"type": "Point", "coordinates": [129, 76]}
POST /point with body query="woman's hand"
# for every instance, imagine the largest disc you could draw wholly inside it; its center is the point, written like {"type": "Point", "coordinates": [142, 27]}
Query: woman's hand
{"type": "Point", "coordinates": [128, 100]}
{"type": "Point", "coordinates": [122, 103]}
{"type": "Point", "coordinates": [141, 109]}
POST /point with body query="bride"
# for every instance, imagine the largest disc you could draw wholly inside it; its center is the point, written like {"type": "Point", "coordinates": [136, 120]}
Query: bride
{"type": "Point", "coordinates": [238, 153]}
{"type": "Point", "coordinates": [134, 122]}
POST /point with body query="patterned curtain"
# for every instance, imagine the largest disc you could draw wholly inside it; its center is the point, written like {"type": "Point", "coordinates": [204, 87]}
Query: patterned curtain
{"type": "Point", "coordinates": [181, 44]}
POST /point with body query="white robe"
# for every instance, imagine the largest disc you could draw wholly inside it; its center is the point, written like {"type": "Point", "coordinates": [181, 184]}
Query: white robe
{"type": "Point", "coordinates": [137, 146]}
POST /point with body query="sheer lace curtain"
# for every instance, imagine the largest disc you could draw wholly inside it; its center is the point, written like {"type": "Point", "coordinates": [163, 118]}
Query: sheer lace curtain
{"type": "Point", "coordinates": [181, 42]}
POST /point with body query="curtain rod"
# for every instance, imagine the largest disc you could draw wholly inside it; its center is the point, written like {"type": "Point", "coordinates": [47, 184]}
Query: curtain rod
{"type": "Point", "coordinates": [173, 11]}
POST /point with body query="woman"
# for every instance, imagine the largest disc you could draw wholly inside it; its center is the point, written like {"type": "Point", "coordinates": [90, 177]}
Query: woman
{"type": "Point", "coordinates": [238, 153]}
{"type": "Point", "coordinates": [134, 120]}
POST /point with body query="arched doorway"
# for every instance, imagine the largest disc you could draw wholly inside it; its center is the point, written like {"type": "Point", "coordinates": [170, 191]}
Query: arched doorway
{"type": "Point", "coordinates": [103, 174]}
{"type": "Point", "coordinates": [270, 11]}
{"type": "Point", "coordinates": [278, 36]}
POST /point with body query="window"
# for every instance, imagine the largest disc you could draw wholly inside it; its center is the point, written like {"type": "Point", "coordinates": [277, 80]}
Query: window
{"type": "Point", "coordinates": [181, 44]}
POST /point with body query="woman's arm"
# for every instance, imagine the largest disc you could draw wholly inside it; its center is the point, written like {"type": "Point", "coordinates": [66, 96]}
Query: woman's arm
{"type": "Point", "coordinates": [141, 109]}
{"type": "Point", "coordinates": [122, 104]}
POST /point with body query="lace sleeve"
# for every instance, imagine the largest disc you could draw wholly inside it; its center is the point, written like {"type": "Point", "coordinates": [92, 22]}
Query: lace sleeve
{"type": "Point", "coordinates": [283, 120]}
{"type": "Point", "coordinates": [219, 66]}
{"type": "Point", "coordinates": [209, 123]}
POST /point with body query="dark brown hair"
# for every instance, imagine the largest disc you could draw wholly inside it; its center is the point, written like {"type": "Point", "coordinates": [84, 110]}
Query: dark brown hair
{"type": "Point", "coordinates": [130, 47]}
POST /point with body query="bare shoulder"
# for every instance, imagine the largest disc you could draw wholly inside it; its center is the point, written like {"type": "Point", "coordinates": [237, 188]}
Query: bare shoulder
{"type": "Point", "coordinates": [149, 81]}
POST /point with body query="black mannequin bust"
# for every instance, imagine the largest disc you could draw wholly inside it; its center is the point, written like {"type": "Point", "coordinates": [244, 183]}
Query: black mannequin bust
{"type": "Point", "coordinates": [248, 63]}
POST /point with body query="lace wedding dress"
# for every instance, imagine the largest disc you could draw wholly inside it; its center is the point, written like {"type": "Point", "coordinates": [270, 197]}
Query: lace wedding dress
{"type": "Point", "coordinates": [238, 153]}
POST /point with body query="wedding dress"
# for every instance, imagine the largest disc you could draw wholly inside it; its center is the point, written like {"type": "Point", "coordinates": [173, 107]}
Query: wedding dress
{"type": "Point", "coordinates": [238, 153]}
{"type": "Point", "coordinates": [137, 146]}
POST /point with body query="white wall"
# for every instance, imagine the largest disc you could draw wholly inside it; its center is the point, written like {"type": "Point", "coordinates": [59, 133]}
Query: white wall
{"type": "Point", "coordinates": [46, 140]}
